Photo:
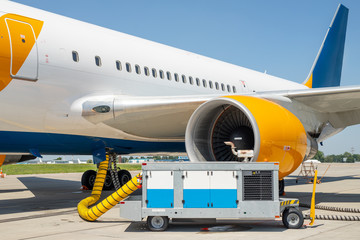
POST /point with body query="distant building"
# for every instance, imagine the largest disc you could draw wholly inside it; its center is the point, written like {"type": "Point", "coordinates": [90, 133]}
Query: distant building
{"type": "Point", "coordinates": [141, 160]}
{"type": "Point", "coordinates": [144, 160]}
{"type": "Point", "coordinates": [183, 159]}
{"type": "Point", "coordinates": [64, 161]}
{"type": "Point", "coordinates": [314, 161]}
{"type": "Point", "coordinates": [178, 159]}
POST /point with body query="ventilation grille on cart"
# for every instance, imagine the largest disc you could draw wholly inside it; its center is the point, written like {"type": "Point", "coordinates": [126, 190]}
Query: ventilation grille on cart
{"type": "Point", "coordinates": [258, 185]}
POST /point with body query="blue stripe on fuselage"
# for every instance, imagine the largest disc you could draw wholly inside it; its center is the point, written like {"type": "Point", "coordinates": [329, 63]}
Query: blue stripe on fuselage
{"type": "Point", "coordinates": [52, 143]}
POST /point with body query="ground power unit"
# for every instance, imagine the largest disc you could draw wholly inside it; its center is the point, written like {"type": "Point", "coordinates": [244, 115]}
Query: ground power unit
{"type": "Point", "coordinates": [227, 190]}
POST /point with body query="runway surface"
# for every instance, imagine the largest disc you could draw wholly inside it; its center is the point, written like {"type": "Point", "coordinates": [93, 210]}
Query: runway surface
{"type": "Point", "coordinates": [44, 207]}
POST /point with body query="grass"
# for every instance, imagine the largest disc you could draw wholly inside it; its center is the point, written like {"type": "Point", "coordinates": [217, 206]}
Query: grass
{"type": "Point", "coordinates": [20, 169]}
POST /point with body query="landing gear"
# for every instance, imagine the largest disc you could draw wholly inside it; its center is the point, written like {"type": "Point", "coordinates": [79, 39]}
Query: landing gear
{"type": "Point", "coordinates": [108, 184]}
{"type": "Point", "coordinates": [124, 176]}
{"type": "Point", "coordinates": [88, 179]}
{"type": "Point", "coordinates": [111, 180]}
{"type": "Point", "coordinates": [281, 187]}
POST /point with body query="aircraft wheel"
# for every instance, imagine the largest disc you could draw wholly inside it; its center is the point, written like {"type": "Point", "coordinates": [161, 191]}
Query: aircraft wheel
{"type": "Point", "coordinates": [157, 223]}
{"type": "Point", "coordinates": [88, 179]}
{"type": "Point", "coordinates": [108, 184]}
{"type": "Point", "coordinates": [124, 176]}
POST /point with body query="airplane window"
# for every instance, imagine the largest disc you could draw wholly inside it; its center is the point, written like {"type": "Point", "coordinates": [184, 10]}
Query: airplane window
{"type": "Point", "coordinates": [154, 73]}
{"type": "Point", "coordinates": [176, 77]}
{"type": "Point", "coordinates": [197, 81]}
{"type": "Point", "coordinates": [210, 84]}
{"type": "Point", "coordinates": [234, 89]}
{"type": "Point", "coordinates": [168, 74]}
{"type": "Point", "coordinates": [146, 71]}
{"type": "Point", "coordinates": [191, 81]}
{"type": "Point", "coordinates": [161, 74]}
{"type": "Point", "coordinates": [137, 69]}
{"type": "Point", "coordinates": [222, 87]}
{"type": "Point", "coordinates": [183, 78]}
{"type": "Point", "coordinates": [98, 61]}
{"type": "Point", "coordinates": [118, 65]}
{"type": "Point", "coordinates": [128, 67]}
{"type": "Point", "coordinates": [217, 85]}
{"type": "Point", "coordinates": [75, 56]}
{"type": "Point", "coordinates": [228, 88]}
{"type": "Point", "coordinates": [204, 83]}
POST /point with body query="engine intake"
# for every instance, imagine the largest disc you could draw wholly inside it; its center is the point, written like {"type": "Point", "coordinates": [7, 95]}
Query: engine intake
{"type": "Point", "coordinates": [270, 131]}
{"type": "Point", "coordinates": [216, 122]}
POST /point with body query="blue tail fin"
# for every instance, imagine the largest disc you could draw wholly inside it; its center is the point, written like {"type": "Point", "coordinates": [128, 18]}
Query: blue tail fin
{"type": "Point", "coordinates": [326, 70]}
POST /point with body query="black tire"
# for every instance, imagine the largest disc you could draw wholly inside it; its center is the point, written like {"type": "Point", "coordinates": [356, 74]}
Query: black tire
{"type": "Point", "coordinates": [292, 218]}
{"type": "Point", "coordinates": [88, 179]}
{"type": "Point", "coordinates": [108, 184]}
{"type": "Point", "coordinates": [281, 187]}
{"type": "Point", "coordinates": [283, 214]}
{"type": "Point", "coordinates": [124, 176]}
{"type": "Point", "coordinates": [157, 223]}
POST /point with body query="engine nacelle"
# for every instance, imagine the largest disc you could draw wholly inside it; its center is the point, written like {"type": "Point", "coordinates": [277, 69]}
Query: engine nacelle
{"type": "Point", "coordinates": [272, 132]}
{"type": "Point", "coordinates": [10, 159]}
{"type": "Point", "coordinates": [312, 148]}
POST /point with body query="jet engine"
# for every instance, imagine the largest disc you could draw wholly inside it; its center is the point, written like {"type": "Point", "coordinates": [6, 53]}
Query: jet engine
{"type": "Point", "coordinates": [229, 128]}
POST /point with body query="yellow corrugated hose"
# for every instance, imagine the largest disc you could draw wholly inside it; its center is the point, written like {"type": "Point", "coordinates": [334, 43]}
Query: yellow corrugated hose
{"type": "Point", "coordinates": [91, 214]}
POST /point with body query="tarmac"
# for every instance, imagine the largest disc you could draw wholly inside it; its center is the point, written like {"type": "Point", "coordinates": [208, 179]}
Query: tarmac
{"type": "Point", "coordinates": [44, 207]}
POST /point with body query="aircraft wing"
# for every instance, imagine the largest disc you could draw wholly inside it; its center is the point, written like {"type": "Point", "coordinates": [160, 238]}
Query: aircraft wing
{"type": "Point", "coordinates": [330, 100]}
{"type": "Point", "coordinates": [157, 116]}
{"type": "Point", "coordinates": [147, 117]}
{"type": "Point", "coordinates": [341, 104]}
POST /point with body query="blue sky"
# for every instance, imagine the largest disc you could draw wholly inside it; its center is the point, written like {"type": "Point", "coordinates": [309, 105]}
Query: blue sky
{"type": "Point", "coordinates": [281, 37]}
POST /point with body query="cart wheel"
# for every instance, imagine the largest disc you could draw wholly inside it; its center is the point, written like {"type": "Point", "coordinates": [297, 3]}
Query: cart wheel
{"type": "Point", "coordinates": [157, 223]}
{"type": "Point", "coordinates": [292, 218]}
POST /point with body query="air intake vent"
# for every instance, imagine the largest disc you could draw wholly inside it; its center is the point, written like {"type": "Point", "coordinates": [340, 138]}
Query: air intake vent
{"type": "Point", "coordinates": [258, 185]}
{"type": "Point", "coordinates": [232, 125]}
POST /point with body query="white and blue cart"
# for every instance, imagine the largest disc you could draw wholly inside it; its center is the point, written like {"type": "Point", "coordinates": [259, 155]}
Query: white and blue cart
{"type": "Point", "coordinates": [247, 191]}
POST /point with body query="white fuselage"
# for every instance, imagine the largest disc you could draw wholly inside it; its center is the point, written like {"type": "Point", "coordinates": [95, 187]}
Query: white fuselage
{"type": "Point", "coordinates": [53, 103]}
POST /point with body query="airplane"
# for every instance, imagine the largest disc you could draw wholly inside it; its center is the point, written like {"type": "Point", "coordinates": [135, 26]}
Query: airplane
{"type": "Point", "coordinates": [73, 88]}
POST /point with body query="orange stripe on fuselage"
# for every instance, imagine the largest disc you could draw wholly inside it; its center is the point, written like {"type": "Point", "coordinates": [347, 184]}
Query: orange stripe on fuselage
{"type": "Point", "coordinates": [19, 28]}
{"type": "Point", "coordinates": [2, 159]}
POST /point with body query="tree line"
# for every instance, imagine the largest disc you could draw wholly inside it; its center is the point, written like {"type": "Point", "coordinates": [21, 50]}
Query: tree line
{"type": "Point", "coordinates": [345, 157]}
